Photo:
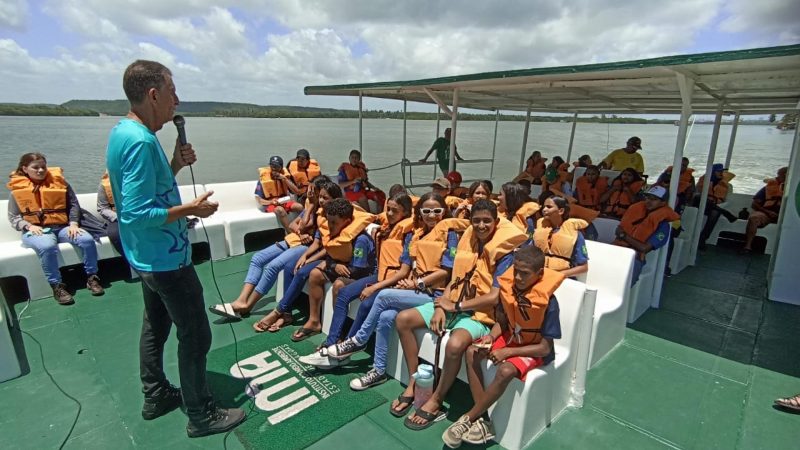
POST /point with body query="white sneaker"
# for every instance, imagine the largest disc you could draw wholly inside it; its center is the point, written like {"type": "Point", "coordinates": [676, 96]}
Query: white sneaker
{"type": "Point", "coordinates": [480, 432]}
{"type": "Point", "coordinates": [321, 359]}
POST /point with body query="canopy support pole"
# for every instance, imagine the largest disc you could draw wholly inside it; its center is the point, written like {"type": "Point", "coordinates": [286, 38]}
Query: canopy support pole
{"type": "Point", "coordinates": [712, 153]}
{"type": "Point", "coordinates": [453, 123]}
{"type": "Point", "coordinates": [494, 143]}
{"type": "Point", "coordinates": [360, 124]}
{"type": "Point", "coordinates": [732, 141]}
{"type": "Point", "coordinates": [436, 136]}
{"type": "Point", "coordinates": [525, 139]}
{"type": "Point", "coordinates": [572, 137]}
{"type": "Point", "coordinates": [686, 86]}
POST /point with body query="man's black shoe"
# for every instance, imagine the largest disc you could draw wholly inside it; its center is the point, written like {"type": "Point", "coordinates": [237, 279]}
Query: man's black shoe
{"type": "Point", "coordinates": [217, 420]}
{"type": "Point", "coordinates": [169, 400]}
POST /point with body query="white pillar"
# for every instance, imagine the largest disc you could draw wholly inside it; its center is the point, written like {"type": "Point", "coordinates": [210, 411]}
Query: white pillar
{"type": "Point", "coordinates": [686, 86]}
{"type": "Point", "coordinates": [712, 153]}
{"type": "Point", "coordinates": [360, 125]}
{"type": "Point", "coordinates": [571, 138]}
{"type": "Point", "coordinates": [453, 123]}
{"type": "Point", "coordinates": [525, 140]}
{"type": "Point", "coordinates": [731, 142]}
{"type": "Point", "coordinates": [405, 110]}
{"type": "Point", "coordinates": [783, 282]}
{"type": "Point", "coordinates": [585, 320]}
{"type": "Point", "coordinates": [494, 142]}
{"type": "Point", "coordinates": [438, 114]}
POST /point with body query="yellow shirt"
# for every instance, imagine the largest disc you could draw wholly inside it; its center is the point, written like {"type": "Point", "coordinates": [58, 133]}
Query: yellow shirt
{"type": "Point", "coordinates": [620, 160]}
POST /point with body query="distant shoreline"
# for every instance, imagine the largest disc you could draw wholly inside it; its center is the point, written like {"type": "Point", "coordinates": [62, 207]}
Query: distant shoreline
{"type": "Point", "coordinates": [118, 108]}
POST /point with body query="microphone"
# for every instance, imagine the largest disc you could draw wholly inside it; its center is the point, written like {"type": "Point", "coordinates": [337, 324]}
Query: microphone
{"type": "Point", "coordinates": [179, 122]}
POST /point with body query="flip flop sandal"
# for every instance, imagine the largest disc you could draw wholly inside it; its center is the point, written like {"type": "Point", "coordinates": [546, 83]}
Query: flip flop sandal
{"type": "Point", "coordinates": [409, 401]}
{"type": "Point", "coordinates": [261, 326]}
{"type": "Point", "coordinates": [430, 419]}
{"type": "Point", "coordinates": [789, 403]}
{"type": "Point", "coordinates": [285, 320]}
{"type": "Point", "coordinates": [304, 333]}
{"type": "Point", "coordinates": [225, 310]}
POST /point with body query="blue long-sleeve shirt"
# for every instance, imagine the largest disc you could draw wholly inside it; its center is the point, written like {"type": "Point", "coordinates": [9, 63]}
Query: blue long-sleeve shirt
{"type": "Point", "coordinates": [144, 189]}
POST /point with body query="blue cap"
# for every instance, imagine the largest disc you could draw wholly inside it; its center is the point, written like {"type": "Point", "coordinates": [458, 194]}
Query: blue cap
{"type": "Point", "coordinates": [717, 167]}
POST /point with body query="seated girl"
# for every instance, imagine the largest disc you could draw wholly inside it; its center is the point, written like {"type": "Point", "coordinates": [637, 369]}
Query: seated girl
{"type": "Point", "coordinates": [624, 191]}
{"type": "Point", "coordinates": [560, 238]}
{"type": "Point", "coordinates": [477, 191]}
{"type": "Point", "coordinates": [45, 209]}
{"type": "Point", "coordinates": [354, 181]}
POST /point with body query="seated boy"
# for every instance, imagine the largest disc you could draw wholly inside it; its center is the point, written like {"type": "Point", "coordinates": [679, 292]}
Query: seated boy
{"type": "Point", "coordinates": [466, 307]}
{"type": "Point", "coordinates": [355, 183]}
{"type": "Point", "coordinates": [273, 189]}
{"type": "Point", "coordinates": [520, 341]}
{"type": "Point", "coordinates": [350, 256]}
{"type": "Point", "coordinates": [645, 226]}
{"type": "Point", "coordinates": [455, 185]}
{"type": "Point", "coordinates": [441, 186]}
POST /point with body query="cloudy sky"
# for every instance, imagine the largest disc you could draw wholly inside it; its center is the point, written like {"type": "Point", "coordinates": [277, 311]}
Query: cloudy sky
{"type": "Point", "coordinates": [265, 51]}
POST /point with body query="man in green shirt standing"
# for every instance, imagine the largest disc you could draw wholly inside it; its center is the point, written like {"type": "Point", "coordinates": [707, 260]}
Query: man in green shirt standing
{"type": "Point", "coordinates": [442, 147]}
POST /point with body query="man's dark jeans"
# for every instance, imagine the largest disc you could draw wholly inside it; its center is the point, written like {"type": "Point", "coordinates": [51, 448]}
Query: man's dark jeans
{"type": "Point", "coordinates": [175, 297]}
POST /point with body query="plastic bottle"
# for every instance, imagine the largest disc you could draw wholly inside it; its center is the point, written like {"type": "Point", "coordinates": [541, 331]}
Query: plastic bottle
{"type": "Point", "coordinates": [423, 387]}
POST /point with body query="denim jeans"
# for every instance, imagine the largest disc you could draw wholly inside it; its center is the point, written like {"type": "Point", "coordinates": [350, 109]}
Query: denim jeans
{"type": "Point", "coordinates": [266, 265]}
{"type": "Point", "coordinates": [296, 281]}
{"type": "Point", "coordinates": [112, 231]}
{"type": "Point", "coordinates": [175, 297]}
{"type": "Point", "coordinates": [46, 247]}
{"type": "Point", "coordinates": [343, 299]}
{"type": "Point", "coordinates": [388, 304]}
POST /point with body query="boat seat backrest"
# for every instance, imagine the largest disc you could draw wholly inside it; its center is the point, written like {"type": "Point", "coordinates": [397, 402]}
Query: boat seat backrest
{"type": "Point", "coordinates": [605, 229]}
{"type": "Point", "coordinates": [577, 173]}
{"type": "Point", "coordinates": [236, 196]}
{"type": "Point", "coordinates": [89, 202]}
{"type": "Point", "coordinates": [7, 233]}
{"type": "Point", "coordinates": [610, 268]}
{"type": "Point", "coordinates": [570, 300]}
{"type": "Point", "coordinates": [187, 191]}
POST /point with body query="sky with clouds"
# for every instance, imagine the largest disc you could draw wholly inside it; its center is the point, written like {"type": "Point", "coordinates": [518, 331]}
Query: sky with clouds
{"type": "Point", "coordinates": [266, 51]}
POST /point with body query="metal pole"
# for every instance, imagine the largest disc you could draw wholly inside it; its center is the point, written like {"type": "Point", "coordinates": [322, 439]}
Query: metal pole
{"type": "Point", "coordinates": [585, 320]}
{"type": "Point", "coordinates": [438, 120]}
{"type": "Point", "coordinates": [360, 124]}
{"type": "Point", "coordinates": [402, 163]}
{"type": "Point", "coordinates": [453, 122]}
{"type": "Point", "coordinates": [732, 141]}
{"type": "Point", "coordinates": [572, 137]}
{"type": "Point", "coordinates": [494, 143]}
{"type": "Point", "coordinates": [712, 153]}
{"type": "Point", "coordinates": [525, 139]}
{"type": "Point", "coordinates": [686, 86]}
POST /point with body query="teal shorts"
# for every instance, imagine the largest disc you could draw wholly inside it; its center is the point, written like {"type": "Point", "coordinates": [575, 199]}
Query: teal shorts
{"type": "Point", "coordinates": [463, 321]}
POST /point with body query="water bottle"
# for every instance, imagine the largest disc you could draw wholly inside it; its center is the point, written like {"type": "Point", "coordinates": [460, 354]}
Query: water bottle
{"type": "Point", "coordinates": [423, 388]}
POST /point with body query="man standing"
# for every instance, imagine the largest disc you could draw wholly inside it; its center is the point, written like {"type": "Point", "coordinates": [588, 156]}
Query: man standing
{"type": "Point", "coordinates": [442, 147]}
{"type": "Point", "coordinates": [152, 225]}
{"type": "Point", "coordinates": [622, 158]}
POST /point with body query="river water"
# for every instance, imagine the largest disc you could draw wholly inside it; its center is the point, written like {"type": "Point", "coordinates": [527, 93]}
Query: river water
{"type": "Point", "coordinates": [231, 149]}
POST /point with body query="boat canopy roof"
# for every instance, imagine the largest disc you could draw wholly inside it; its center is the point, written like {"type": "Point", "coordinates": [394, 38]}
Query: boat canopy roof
{"type": "Point", "coordinates": [753, 81]}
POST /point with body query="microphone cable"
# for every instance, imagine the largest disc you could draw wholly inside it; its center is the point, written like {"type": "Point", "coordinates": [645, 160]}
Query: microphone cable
{"type": "Point", "coordinates": [249, 389]}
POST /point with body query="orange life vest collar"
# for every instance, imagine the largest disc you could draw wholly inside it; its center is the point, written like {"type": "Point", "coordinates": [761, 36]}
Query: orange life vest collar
{"type": "Point", "coordinates": [557, 246]}
{"type": "Point", "coordinates": [302, 177]}
{"type": "Point", "coordinates": [640, 223]}
{"type": "Point", "coordinates": [520, 218]}
{"type": "Point", "coordinates": [525, 311]}
{"type": "Point", "coordinates": [340, 248]}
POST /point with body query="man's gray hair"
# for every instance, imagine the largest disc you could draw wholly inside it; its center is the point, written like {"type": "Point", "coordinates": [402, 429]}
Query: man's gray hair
{"type": "Point", "coordinates": [141, 76]}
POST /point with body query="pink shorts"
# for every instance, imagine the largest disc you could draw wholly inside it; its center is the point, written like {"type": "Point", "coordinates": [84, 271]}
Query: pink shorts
{"type": "Point", "coordinates": [287, 206]}
{"type": "Point", "coordinates": [523, 364]}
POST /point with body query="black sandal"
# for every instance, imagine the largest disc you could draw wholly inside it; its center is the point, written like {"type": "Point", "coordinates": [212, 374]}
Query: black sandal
{"type": "Point", "coordinates": [409, 401]}
{"type": "Point", "coordinates": [430, 419]}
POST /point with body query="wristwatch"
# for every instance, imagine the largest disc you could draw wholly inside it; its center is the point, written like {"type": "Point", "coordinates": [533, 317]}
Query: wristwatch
{"type": "Point", "coordinates": [420, 284]}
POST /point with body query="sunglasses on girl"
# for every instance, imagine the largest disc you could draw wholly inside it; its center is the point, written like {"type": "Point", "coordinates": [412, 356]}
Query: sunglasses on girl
{"type": "Point", "coordinates": [428, 211]}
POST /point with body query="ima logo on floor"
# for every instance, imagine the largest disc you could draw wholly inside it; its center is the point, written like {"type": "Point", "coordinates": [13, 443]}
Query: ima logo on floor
{"type": "Point", "coordinates": [280, 384]}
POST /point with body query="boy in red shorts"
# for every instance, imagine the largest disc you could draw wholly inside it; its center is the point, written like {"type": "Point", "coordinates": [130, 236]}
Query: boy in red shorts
{"type": "Point", "coordinates": [273, 191]}
{"type": "Point", "coordinates": [355, 183]}
{"type": "Point", "coordinates": [520, 341]}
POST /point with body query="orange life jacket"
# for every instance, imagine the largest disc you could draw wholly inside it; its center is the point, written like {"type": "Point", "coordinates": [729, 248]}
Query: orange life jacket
{"type": "Point", "coordinates": [352, 172]}
{"type": "Point", "coordinates": [718, 191]}
{"type": "Point", "coordinates": [525, 310]}
{"type": "Point", "coordinates": [559, 246]}
{"type": "Point", "coordinates": [390, 248]}
{"type": "Point", "coordinates": [452, 202]}
{"type": "Point", "coordinates": [340, 248]}
{"type": "Point", "coordinates": [272, 188]}
{"type": "Point", "coordinates": [773, 194]}
{"type": "Point", "coordinates": [106, 182]}
{"type": "Point", "coordinates": [473, 272]}
{"type": "Point", "coordinates": [44, 203]}
{"type": "Point", "coordinates": [293, 239]}
{"type": "Point", "coordinates": [520, 219]}
{"type": "Point", "coordinates": [685, 182]}
{"type": "Point", "coordinates": [640, 223]}
{"type": "Point", "coordinates": [588, 194]}
{"type": "Point", "coordinates": [619, 201]}
{"type": "Point", "coordinates": [302, 177]}
{"type": "Point", "coordinates": [426, 249]}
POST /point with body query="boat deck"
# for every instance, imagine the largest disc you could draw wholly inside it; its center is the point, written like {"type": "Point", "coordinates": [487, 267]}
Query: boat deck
{"type": "Point", "coordinates": [701, 372]}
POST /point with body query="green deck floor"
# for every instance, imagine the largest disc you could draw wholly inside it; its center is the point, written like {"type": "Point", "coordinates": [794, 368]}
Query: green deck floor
{"type": "Point", "coordinates": [699, 373]}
